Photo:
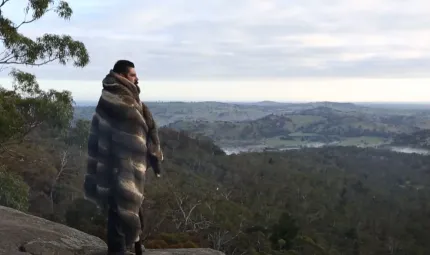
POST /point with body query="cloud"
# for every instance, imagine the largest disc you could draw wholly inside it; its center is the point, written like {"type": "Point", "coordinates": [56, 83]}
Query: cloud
{"type": "Point", "coordinates": [242, 39]}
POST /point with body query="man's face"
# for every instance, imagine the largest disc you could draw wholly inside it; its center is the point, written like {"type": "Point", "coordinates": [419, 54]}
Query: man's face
{"type": "Point", "coordinates": [132, 76]}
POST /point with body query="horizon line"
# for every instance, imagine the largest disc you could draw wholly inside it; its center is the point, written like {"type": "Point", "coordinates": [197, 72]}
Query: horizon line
{"type": "Point", "coordinates": [270, 101]}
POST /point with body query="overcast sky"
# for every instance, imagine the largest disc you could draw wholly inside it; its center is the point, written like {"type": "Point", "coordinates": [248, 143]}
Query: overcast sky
{"type": "Point", "coordinates": [274, 43]}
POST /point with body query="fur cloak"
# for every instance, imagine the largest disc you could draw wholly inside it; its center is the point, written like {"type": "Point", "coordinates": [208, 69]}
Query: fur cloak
{"type": "Point", "coordinates": [123, 143]}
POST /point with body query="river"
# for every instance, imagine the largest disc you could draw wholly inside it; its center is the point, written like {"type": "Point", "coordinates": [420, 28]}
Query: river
{"type": "Point", "coordinates": [237, 150]}
{"type": "Point", "coordinates": [409, 150]}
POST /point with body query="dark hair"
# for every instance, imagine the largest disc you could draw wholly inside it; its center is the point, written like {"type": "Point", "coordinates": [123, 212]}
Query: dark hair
{"type": "Point", "coordinates": [122, 66]}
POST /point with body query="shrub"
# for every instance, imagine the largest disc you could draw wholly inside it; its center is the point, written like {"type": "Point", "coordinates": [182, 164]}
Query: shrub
{"type": "Point", "coordinates": [190, 244]}
{"type": "Point", "coordinates": [156, 244]}
{"type": "Point", "coordinates": [172, 241]}
{"type": "Point", "coordinates": [13, 191]}
{"type": "Point", "coordinates": [174, 238]}
{"type": "Point", "coordinates": [176, 246]}
{"type": "Point", "coordinates": [85, 216]}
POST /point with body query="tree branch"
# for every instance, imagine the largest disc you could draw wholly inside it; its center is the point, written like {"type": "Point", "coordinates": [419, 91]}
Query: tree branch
{"type": "Point", "coordinates": [186, 214]}
{"type": "Point", "coordinates": [63, 163]}
{"type": "Point", "coordinates": [7, 62]}
{"type": "Point", "coordinates": [33, 19]}
{"type": "Point", "coordinates": [220, 238]}
{"type": "Point", "coordinates": [3, 2]}
{"type": "Point", "coordinates": [154, 228]}
{"type": "Point", "coordinates": [17, 140]}
{"type": "Point", "coordinates": [25, 22]}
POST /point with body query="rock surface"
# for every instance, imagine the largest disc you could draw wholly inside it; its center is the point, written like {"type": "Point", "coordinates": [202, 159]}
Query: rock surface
{"type": "Point", "coordinates": [23, 234]}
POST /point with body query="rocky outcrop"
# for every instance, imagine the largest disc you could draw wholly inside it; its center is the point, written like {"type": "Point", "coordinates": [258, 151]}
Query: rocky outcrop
{"type": "Point", "coordinates": [23, 234]}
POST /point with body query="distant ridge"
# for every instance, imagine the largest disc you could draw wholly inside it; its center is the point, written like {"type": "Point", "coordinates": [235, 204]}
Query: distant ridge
{"type": "Point", "coordinates": [86, 103]}
{"type": "Point", "coordinates": [268, 102]}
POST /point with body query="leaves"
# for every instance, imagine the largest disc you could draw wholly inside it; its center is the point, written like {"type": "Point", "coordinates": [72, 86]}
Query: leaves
{"type": "Point", "coordinates": [284, 232]}
{"type": "Point", "coordinates": [78, 134]}
{"type": "Point", "coordinates": [307, 184]}
{"type": "Point", "coordinates": [63, 10]}
{"type": "Point", "coordinates": [27, 107]}
{"type": "Point", "coordinates": [13, 190]}
{"type": "Point", "coordinates": [22, 50]}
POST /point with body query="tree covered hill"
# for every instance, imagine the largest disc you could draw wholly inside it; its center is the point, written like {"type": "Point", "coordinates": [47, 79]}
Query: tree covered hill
{"type": "Point", "coordinates": [168, 112]}
{"type": "Point", "coordinates": [337, 200]}
{"type": "Point", "coordinates": [418, 139]}
{"type": "Point", "coordinates": [279, 125]}
{"type": "Point", "coordinates": [321, 124]}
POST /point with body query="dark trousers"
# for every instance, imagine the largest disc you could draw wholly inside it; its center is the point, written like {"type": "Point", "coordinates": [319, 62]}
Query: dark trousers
{"type": "Point", "coordinates": [115, 235]}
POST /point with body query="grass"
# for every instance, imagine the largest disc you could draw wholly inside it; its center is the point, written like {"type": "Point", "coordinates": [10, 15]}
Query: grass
{"type": "Point", "coordinates": [276, 142]}
{"type": "Point", "coordinates": [362, 140]}
{"type": "Point", "coordinates": [300, 134]}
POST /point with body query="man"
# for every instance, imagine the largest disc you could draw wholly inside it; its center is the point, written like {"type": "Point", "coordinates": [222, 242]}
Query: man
{"type": "Point", "coordinates": [123, 143]}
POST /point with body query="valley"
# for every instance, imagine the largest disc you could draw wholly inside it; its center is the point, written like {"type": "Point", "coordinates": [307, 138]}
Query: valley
{"type": "Point", "coordinates": [321, 178]}
{"type": "Point", "coordinates": [272, 126]}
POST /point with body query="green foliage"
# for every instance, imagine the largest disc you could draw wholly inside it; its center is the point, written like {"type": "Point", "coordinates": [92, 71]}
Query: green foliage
{"type": "Point", "coordinates": [13, 191]}
{"type": "Point", "coordinates": [284, 232]}
{"type": "Point", "coordinates": [20, 49]}
{"type": "Point", "coordinates": [27, 107]}
{"type": "Point", "coordinates": [340, 200]}
{"type": "Point", "coordinates": [307, 241]}
{"type": "Point", "coordinates": [172, 240]}
{"type": "Point", "coordinates": [85, 216]}
{"type": "Point", "coordinates": [418, 139]}
{"type": "Point", "coordinates": [239, 203]}
{"type": "Point", "coordinates": [79, 133]}
{"type": "Point", "coordinates": [189, 244]}
{"type": "Point", "coordinates": [156, 244]}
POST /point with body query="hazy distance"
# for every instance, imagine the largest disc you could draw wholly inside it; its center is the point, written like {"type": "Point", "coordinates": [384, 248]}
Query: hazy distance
{"type": "Point", "coordinates": [400, 90]}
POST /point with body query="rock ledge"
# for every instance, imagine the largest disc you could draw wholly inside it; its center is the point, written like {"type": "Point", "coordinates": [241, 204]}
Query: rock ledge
{"type": "Point", "coordinates": [23, 234]}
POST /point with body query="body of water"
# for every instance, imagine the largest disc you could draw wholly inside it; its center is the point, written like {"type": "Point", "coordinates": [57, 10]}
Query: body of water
{"type": "Point", "coordinates": [409, 150]}
{"type": "Point", "coordinates": [237, 150]}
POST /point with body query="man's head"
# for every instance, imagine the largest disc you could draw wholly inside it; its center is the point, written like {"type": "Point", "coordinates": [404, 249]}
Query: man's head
{"type": "Point", "coordinates": [126, 69]}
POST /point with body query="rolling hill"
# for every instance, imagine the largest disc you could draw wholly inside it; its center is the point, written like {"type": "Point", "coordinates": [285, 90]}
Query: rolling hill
{"type": "Point", "coordinates": [321, 124]}
{"type": "Point", "coordinates": [168, 112]}
{"type": "Point", "coordinates": [419, 139]}
{"type": "Point", "coordinates": [284, 125]}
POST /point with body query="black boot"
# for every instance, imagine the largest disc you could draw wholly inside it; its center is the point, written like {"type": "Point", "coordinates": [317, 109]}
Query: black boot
{"type": "Point", "coordinates": [139, 248]}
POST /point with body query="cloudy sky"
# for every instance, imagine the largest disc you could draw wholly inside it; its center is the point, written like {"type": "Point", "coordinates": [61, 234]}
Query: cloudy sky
{"type": "Point", "coordinates": [307, 50]}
